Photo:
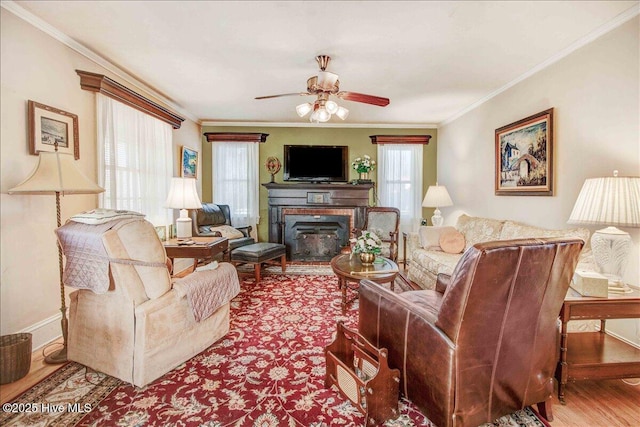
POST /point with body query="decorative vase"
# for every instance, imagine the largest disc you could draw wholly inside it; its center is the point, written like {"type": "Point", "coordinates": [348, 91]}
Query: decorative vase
{"type": "Point", "coordinates": [367, 258]}
{"type": "Point", "coordinates": [364, 176]}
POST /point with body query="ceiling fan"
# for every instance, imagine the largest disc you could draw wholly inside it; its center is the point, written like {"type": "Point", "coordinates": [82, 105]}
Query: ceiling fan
{"type": "Point", "coordinates": [322, 86]}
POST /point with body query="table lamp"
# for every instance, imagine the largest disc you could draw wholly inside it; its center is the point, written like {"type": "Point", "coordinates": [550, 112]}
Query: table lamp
{"type": "Point", "coordinates": [57, 173]}
{"type": "Point", "coordinates": [183, 195]}
{"type": "Point", "coordinates": [436, 197]}
{"type": "Point", "coordinates": [612, 201]}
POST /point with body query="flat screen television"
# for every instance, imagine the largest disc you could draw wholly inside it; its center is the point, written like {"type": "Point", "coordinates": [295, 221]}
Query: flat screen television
{"type": "Point", "coordinates": [316, 163]}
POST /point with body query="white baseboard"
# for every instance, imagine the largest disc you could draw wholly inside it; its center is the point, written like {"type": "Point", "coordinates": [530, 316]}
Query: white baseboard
{"type": "Point", "coordinates": [45, 331]}
{"type": "Point", "coordinates": [623, 339]}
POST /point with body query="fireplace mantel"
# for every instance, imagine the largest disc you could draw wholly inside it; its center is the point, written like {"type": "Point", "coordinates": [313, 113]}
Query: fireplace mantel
{"type": "Point", "coordinates": [314, 199]}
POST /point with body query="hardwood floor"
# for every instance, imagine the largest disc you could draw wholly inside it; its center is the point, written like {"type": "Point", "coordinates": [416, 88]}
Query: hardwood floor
{"type": "Point", "coordinates": [602, 403]}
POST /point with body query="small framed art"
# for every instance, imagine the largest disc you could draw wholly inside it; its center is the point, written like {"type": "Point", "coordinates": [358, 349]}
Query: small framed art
{"type": "Point", "coordinates": [189, 166]}
{"type": "Point", "coordinates": [162, 232]}
{"type": "Point", "coordinates": [48, 127]}
{"type": "Point", "coordinates": [524, 157]}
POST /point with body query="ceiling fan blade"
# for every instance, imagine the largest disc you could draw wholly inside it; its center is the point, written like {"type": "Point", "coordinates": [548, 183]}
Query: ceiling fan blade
{"type": "Point", "coordinates": [361, 97]}
{"type": "Point", "coordinates": [284, 94]}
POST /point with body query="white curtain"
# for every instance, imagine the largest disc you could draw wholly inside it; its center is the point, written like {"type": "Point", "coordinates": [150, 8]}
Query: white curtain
{"type": "Point", "coordinates": [134, 160]}
{"type": "Point", "coordinates": [400, 181]}
{"type": "Point", "coordinates": [235, 178]}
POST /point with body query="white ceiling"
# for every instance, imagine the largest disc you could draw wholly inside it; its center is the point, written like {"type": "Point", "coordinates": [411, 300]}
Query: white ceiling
{"type": "Point", "coordinates": [209, 59]}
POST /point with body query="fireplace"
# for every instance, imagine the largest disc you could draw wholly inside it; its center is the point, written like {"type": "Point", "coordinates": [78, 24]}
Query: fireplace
{"type": "Point", "coordinates": [314, 221]}
{"type": "Point", "coordinates": [315, 237]}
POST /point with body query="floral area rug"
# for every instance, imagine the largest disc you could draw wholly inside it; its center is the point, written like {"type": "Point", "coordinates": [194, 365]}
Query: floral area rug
{"type": "Point", "coordinates": [292, 269]}
{"type": "Point", "coordinates": [267, 371]}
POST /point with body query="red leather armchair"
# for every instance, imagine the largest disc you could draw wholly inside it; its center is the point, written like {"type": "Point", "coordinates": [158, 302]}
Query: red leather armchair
{"type": "Point", "coordinates": [484, 343]}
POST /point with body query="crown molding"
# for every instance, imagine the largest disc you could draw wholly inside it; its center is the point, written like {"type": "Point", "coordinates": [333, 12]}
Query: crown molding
{"type": "Point", "coordinates": [47, 28]}
{"type": "Point", "coordinates": [625, 16]}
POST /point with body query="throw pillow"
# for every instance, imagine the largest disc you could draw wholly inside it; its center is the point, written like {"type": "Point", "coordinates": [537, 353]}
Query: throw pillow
{"type": "Point", "coordinates": [228, 231]}
{"type": "Point", "coordinates": [100, 216]}
{"type": "Point", "coordinates": [452, 241]}
{"type": "Point", "coordinates": [430, 237]}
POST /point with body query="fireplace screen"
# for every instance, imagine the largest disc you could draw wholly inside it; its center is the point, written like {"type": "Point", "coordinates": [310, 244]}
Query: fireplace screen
{"type": "Point", "coordinates": [315, 237]}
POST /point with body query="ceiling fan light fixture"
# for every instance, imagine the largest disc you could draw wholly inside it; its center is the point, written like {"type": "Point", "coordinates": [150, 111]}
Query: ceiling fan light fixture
{"type": "Point", "coordinates": [331, 107]}
{"type": "Point", "coordinates": [320, 115]}
{"type": "Point", "coordinates": [342, 113]}
{"type": "Point", "coordinates": [322, 86]}
{"type": "Point", "coordinates": [303, 109]}
{"type": "Point", "coordinates": [326, 80]}
{"type": "Point", "coordinates": [323, 115]}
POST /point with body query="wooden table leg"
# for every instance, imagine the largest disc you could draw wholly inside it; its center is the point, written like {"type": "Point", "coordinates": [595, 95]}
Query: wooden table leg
{"type": "Point", "coordinates": [256, 270]}
{"type": "Point", "coordinates": [562, 368]}
{"type": "Point", "coordinates": [342, 283]}
{"type": "Point", "coordinates": [283, 263]}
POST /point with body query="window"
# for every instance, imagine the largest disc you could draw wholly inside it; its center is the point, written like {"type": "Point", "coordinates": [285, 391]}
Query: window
{"type": "Point", "coordinates": [400, 181]}
{"type": "Point", "coordinates": [236, 180]}
{"type": "Point", "coordinates": [134, 160]}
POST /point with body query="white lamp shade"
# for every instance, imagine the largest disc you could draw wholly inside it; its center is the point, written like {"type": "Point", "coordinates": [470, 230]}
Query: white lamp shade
{"type": "Point", "coordinates": [342, 113]}
{"type": "Point", "coordinates": [327, 80]}
{"type": "Point", "coordinates": [56, 173]}
{"type": "Point", "coordinates": [323, 115]}
{"type": "Point", "coordinates": [303, 109]}
{"type": "Point", "coordinates": [437, 196]}
{"type": "Point", "coordinates": [610, 200]}
{"type": "Point", "coordinates": [331, 107]}
{"type": "Point", "coordinates": [183, 194]}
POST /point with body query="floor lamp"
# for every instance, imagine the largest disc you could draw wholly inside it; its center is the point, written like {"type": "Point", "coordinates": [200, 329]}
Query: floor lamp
{"type": "Point", "coordinates": [57, 173]}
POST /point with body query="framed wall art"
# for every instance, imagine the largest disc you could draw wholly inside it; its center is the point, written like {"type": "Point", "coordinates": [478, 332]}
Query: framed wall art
{"type": "Point", "coordinates": [162, 232]}
{"type": "Point", "coordinates": [48, 126]}
{"type": "Point", "coordinates": [524, 157]}
{"type": "Point", "coordinates": [189, 165]}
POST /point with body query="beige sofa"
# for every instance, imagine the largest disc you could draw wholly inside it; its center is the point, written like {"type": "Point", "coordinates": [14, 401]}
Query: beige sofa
{"type": "Point", "coordinates": [143, 326]}
{"type": "Point", "coordinates": [426, 259]}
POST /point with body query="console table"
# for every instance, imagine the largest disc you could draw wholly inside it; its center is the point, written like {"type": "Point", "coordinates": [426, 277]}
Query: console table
{"type": "Point", "coordinates": [596, 355]}
{"type": "Point", "coordinates": [315, 220]}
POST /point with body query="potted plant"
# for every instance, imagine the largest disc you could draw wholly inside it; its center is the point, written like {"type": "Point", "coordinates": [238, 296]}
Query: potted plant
{"type": "Point", "coordinates": [363, 165]}
{"type": "Point", "coordinates": [367, 245]}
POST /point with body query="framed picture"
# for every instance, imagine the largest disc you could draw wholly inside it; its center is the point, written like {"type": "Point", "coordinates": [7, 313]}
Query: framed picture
{"type": "Point", "coordinates": [524, 157]}
{"type": "Point", "coordinates": [162, 232]}
{"type": "Point", "coordinates": [48, 126]}
{"type": "Point", "coordinates": [189, 166]}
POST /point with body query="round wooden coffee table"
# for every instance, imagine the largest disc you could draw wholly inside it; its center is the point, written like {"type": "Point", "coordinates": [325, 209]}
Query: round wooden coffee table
{"type": "Point", "coordinates": [348, 268]}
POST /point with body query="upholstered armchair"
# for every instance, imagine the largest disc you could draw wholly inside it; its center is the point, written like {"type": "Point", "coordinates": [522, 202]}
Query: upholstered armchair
{"type": "Point", "coordinates": [484, 343]}
{"type": "Point", "coordinates": [385, 223]}
{"type": "Point", "coordinates": [129, 320]}
{"type": "Point", "coordinates": [215, 220]}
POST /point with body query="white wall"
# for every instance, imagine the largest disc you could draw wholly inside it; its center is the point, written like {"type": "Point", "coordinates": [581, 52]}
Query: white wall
{"type": "Point", "coordinates": [595, 94]}
{"type": "Point", "coordinates": [34, 66]}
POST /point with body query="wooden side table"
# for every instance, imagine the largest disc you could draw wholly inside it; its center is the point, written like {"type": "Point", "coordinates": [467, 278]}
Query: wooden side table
{"type": "Point", "coordinates": [203, 248]}
{"type": "Point", "coordinates": [596, 355]}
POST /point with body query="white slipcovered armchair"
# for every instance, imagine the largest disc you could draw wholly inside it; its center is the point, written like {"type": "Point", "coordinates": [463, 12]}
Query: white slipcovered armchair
{"type": "Point", "coordinates": [140, 325]}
